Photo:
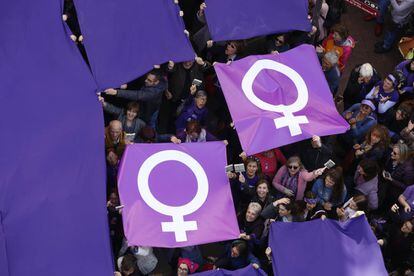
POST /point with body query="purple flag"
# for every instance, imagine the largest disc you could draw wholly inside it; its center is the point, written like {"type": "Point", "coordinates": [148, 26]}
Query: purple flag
{"type": "Point", "coordinates": [126, 39]}
{"type": "Point", "coordinates": [319, 248]}
{"type": "Point", "coordinates": [52, 184]}
{"type": "Point", "coordinates": [247, 271]}
{"type": "Point", "coordinates": [235, 19]}
{"type": "Point", "coordinates": [279, 99]}
{"type": "Point", "coordinates": [176, 195]}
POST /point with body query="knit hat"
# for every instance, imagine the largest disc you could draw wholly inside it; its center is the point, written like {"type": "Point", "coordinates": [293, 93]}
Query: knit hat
{"type": "Point", "coordinates": [192, 267]}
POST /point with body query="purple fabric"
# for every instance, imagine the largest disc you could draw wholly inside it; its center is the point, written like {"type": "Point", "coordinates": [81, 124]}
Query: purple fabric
{"type": "Point", "coordinates": [326, 247]}
{"type": "Point", "coordinates": [247, 271]}
{"type": "Point", "coordinates": [409, 195]}
{"type": "Point", "coordinates": [264, 128]}
{"type": "Point", "coordinates": [185, 172]}
{"type": "Point", "coordinates": [235, 19]}
{"type": "Point", "coordinates": [125, 39]}
{"type": "Point", "coordinates": [52, 181]}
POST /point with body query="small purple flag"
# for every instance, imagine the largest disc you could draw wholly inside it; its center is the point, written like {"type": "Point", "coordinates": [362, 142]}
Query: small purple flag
{"type": "Point", "coordinates": [176, 195]}
{"type": "Point", "coordinates": [325, 248]}
{"type": "Point", "coordinates": [247, 271]}
{"type": "Point", "coordinates": [279, 99]}
{"type": "Point", "coordinates": [235, 19]}
{"type": "Point", "coordinates": [125, 39]}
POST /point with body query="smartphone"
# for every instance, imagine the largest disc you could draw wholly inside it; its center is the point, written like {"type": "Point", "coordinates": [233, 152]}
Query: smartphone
{"type": "Point", "coordinates": [229, 168]}
{"type": "Point", "coordinates": [347, 203]}
{"type": "Point", "coordinates": [239, 168]}
{"type": "Point", "coordinates": [119, 207]}
{"type": "Point", "coordinates": [197, 82]}
{"type": "Point", "coordinates": [329, 164]}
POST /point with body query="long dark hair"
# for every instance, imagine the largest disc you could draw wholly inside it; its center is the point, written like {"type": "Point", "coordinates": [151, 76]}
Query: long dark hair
{"type": "Point", "coordinates": [337, 177]}
{"type": "Point", "coordinates": [370, 168]}
{"type": "Point", "coordinates": [383, 134]}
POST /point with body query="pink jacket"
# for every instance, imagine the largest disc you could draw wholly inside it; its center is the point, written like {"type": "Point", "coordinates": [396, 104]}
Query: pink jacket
{"type": "Point", "coordinates": [304, 177]}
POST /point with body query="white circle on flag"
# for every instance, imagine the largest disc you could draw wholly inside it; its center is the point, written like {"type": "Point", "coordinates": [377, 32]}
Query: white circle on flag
{"type": "Point", "coordinates": [253, 72]}
{"type": "Point", "coordinates": [172, 155]}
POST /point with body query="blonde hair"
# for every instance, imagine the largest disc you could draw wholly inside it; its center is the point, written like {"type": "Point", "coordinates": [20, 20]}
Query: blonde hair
{"type": "Point", "coordinates": [256, 207]}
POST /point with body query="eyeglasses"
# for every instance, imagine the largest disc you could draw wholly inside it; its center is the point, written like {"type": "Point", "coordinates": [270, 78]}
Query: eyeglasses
{"type": "Point", "coordinates": [293, 167]}
{"type": "Point", "coordinates": [183, 269]}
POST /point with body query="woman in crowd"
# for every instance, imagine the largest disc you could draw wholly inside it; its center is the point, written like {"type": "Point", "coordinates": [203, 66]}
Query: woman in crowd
{"type": "Point", "coordinates": [362, 80]}
{"type": "Point", "coordinates": [281, 210]}
{"type": "Point", "coordinates": [375, 145]}
{"type": "Point", "coordinates": [277, 44]}
{"type": "Point", "coordinates": [366, 182]}
{"type": "Point", "coordinates": [186, 266]}
{"type": "Point", "coordinates": [237, 255]}
{"type": "Point", "coordinates": [339, 41]}
{"type": "Point", "coordinates": [330, 190]}
{"type": "Point", "coordinates": [270, 161]}
{"type": "Point", "coordinates": [385, 95]}
{"type": "Point", "coordinates": [193, 133]}
{"type": "Point", "coordinates": [251, 224]}
{"type": "Point", "coordinates": [308, 207]}
{"type": "Point", "coordinates": [361, 118]}
{"type": "Point", "coordinates": [398, 172]}
{"type": "Point", "coordinates": [244, 184]}
{"type": "Point", "coordinates": [291, 179]}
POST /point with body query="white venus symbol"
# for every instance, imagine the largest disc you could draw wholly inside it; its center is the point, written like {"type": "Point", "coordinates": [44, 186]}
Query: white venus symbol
{"type": "Point", "coordinates": [177, 225]}
{"type": "Point", "coordinates": [289, 120]}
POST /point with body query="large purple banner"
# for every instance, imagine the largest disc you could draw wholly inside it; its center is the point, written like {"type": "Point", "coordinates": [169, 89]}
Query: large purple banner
{"type": "Point", "coordinates": [52, 183]}
{"type": "Point", "coordinates": [325, 248]}
{"type": "Point", "coordinates": [176, 195]}
{"type": "Point", "coordinates": [235, 19]}
{"type": "Point", "coordinates": [247, 271]}
{"type": "Point", "coordinates": [279, 99]}
{"type": "Point", "coordinates": [125, 39]}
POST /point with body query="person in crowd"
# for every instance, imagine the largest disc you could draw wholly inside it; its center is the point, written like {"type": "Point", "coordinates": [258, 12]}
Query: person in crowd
{"type": "Point", "coordinates": [407, 69]}
{"type": "Point", "coordinates": [316, 153]}
{"type": "Point", "coordinates": [331, 70]}
{"type": "Point", "coordinates": [281, 210]}
{"type": "Point", "coordinates": [194, 109]}
{"type": "Point", "coordinates": [385, 95]}
{"type": "Point", "coordinates": [251, 224]}
{"type": "Point", "coordinates": [139, 260]}
{"type": "Point", "coordinates": [398, 119]}
{"type": "Point", "coordinates": [360, 83]}
{"type": "Point", "coordinates": [356, 206]}
{"type": "Point", "coordinates": [131, 123]}
{"type": "Point", "coordinates": [150, 94]}
{"type": "Point", "coordinates": [398, 172]}
{"type": "Point", "coordinates": [290, 181]}
{"type": "Point", "coordinates": [114, 142]}
{"type": "Point", "coordinates": [262, 193]}
{"type": "Point", "coordinates": [180, 79]}
{"type": "Point", "coordinates": [277, 44]}
{"type": "Point", "coordinates": [309, 210]}
{"type": "Point", "coordinates": [340, 42]}
{"type": "Point", "coordinates": [243, 184]}
{"type": "Point", "coordinates": [361, 118]}
{"type": "Point", "coordinates": [375, 145]}
{"type": "Point", "coordinates": [366, 182]}
{"type": "Point", "coordinates": [236, 256]}
{"type": "Point", "coordinates": [193, 133]}
{"type": "Point", "coordinates": [270, 161]}
{"type": "Point", "coordinates": [318, 19]}
{"type": "Point", "coordinates": [330, 190]}
{"type": "Point", "coordinates": [186, 266]}
{"type": "Point", "coordinates": [407, 133]}
{"type": "Point", "coordinates": [129, 266]}
{"type": "Point", "coordinates": [396, 241]}
{"type": "Point", "coordinates": [400, 14]}
{"type": "Point", "coordinates": [406, 201]}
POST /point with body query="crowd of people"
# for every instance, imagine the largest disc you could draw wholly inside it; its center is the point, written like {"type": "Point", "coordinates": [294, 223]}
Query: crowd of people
{"type": "Point", "coordinates": [371, 171]}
